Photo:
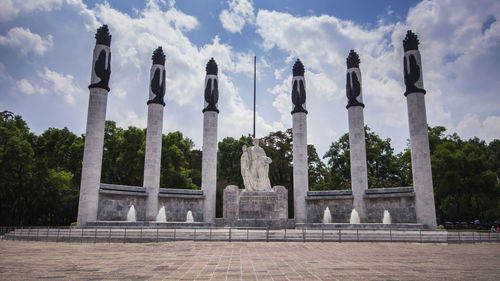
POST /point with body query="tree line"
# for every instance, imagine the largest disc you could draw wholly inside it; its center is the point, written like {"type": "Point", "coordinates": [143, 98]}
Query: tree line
{"type": "Point", "coordinates": [40, 175]}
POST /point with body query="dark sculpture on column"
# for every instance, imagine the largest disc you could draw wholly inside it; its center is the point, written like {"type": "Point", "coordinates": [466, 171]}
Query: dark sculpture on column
{"type": "Point", "coordinates": [353, 86]}
{"type": "Point", "coordinates": [211, 87]}
{"type": "Point", "coordinates": [298, 88]}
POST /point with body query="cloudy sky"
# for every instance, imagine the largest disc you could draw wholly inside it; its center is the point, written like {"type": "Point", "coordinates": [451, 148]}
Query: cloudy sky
{"type": "Point", "coordinates": [46, 48]}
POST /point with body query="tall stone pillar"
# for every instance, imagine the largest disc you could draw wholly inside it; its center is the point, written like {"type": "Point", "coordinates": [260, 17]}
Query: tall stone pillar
{"type": "Point", "coordinates": [152, 159]}
{"type": "Point", "coordinates": [357, 145]}
{"type": "Point", "coordinates": [209, 156]}
{"type": "Point", "coordinates": [94, 135]}
{"type": "Point", "coordinates": [300, 167]}
{"type": "Point", "coordinates": [419, 139]}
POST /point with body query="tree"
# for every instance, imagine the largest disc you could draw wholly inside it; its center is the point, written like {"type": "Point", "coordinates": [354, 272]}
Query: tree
{"type": "Point", "coordinates": [465, 187]}
{"type": "Point", "coordinates": [381, 163]}
{"type": "Point", "coordinates": [175, 167]}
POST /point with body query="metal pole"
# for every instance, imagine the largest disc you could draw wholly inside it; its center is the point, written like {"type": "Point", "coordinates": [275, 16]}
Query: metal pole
{"type": "Point", "coordinates": [157, 234]}
{"type": "Point", "coordinates": [95, 235]}
{"type": "Point", "coordinates": [254, 91]}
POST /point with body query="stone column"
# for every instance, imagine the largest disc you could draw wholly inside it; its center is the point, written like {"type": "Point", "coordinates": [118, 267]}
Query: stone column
{"type": "Point", "coordinates": [152, 159]}
{"type": "Point", "coordinates": [94, 135]}
{"type": "Point", "coordinates": [357, 146]}
{"type": "Point", "coordinates": [209, 156]}
{"type": "Point", "coordinates": [419, 139]}
{"type": "Point", "coordinates": [300, 167]}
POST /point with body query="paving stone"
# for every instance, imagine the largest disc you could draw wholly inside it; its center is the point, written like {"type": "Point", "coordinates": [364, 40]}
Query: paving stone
{"type": "Point", "coordinates": [21, 260]}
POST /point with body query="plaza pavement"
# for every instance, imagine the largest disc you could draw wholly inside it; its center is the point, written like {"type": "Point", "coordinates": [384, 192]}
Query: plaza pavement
{"type": "Point", "coordinates": [187, 260]}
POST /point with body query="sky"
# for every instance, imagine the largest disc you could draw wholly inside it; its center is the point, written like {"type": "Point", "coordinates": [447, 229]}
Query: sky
{"type": "Point", "coordinates": [46, 54]}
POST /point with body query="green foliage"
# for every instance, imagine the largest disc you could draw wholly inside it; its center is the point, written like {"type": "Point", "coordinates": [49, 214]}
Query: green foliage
{"type": "Point", "coordinates": [40, 175]}
{"type": "Point", "coordinates": [37, 184]}
{"type": "Point", "coordinates": [384, 168]}
{"type": "Point", "coordinates": [175, 166]}
{"type": "Point", "coordinates": [466, 184]}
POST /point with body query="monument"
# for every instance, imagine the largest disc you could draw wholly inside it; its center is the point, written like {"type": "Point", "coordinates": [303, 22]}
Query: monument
{"type": "Point", "coordinates": [209, 156]}
{"type": "Point", "coordinates": [257, 205]}
{"type": "Point", "coordinates": [419, 138]}
{"type": "Point", "coordinates": [299, 120]}
{"type": "Point", "coordinates": [152, 158]}
{"type": "Point", "coordinates": [94, 134]}
{"type": "Point", "coordinates": [357, 146]}
{"type": "Point", "coordinates": [255, 168]}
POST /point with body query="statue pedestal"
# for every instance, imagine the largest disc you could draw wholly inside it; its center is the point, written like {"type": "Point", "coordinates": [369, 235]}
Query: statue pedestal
{"type": "Point", "coordinates": [256, 208]}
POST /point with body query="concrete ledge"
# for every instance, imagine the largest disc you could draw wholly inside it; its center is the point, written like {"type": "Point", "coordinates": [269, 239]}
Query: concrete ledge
{"type": "Point", "coordinates": [146, 224]}
{"type": "Point", "coordinates": [329, 193]}
{"type": "Point", "coordinates": [339, 197]}
{"type": "Point", "coordinates": [185, 196]}
{"type": "Point", "coordinates": [122, 190]}
{"type": "Point", "coordinates": [389, 195]}
{"type": "Point", "coordinates": [108, 186]}
{"type": "Point", "coordinates": [400, 226]}
{"type": "Point", "coordinates": [389, 190]}
{"type": "Point", "coordinates": [124, 193]}
{"type": "Point", "coordinates": [180, 191]}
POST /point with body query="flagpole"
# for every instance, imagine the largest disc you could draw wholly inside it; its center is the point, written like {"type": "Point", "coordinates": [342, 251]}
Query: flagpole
{"type": "Point", "coordinates": [254, 93]}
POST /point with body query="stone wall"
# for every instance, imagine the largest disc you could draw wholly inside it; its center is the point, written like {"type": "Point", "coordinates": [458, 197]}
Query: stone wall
{"type": "Point", "coordinates": [255, 208]}
{"type": "Point", "coordinates": [338, 201]}
{"type": "Point", "coordinates": [400, 202]}
{"type": "Point", "coordinates": [178, 202]}
{"type": "Point", "coordinates": [115, 202]}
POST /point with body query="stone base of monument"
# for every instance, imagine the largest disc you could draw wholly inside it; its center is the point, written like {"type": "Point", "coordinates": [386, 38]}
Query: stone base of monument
{"type": "Point", "coordinates": [399, 226]}
{"type": "Point", "coordinates": [146, 224]}
{"type": "Point", "coordinates": [256, 208]}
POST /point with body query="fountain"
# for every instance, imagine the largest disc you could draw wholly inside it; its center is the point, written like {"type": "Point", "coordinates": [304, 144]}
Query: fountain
{"type": "Point", "coordinates": [354, 217]}
{"type": "Point", "coordinates": [327, 216]}
{"type": "Point", "coordinates": [162, 216]}
{"type": "Point", "coordinates": [131, 214]}
{"type": "Point", "coordinates": [189, 216]}
{"type": "Point", "coordinates": [387, 217]}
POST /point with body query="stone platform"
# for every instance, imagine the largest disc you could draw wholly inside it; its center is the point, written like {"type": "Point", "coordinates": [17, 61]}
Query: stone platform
{"type": "Point", "coordinates": [399, 226]}
{"type": "Point", "coordinates": [256, 208]}
{"type": "Point", "coordinates": [147, 224]}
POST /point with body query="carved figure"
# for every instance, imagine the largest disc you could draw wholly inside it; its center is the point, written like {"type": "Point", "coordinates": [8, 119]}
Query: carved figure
{"type": "Point", "coordinates": [211, 95]}
{"type": "Point", "coordinates": [102, 71]}
{"type": "Point", "coordinates": [298, 96]}
{"type": "Point", "coordinates": [255, 168]}
{"type": "Point", "coordinates": [158, 88]}
{"type": "Point", "coordinates": [352, 90]}
{"type": "Point", "coordinates": [412, 74]}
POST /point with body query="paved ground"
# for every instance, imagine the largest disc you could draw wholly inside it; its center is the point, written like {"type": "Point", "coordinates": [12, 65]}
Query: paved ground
{"type": "Point", "coordinates": [248, 261]}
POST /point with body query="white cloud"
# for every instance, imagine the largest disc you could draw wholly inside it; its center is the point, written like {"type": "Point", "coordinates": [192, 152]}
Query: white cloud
{"type": "Point", "coordinates": [490, 128]}
{"type": "Point", "coordinates": [452, 43]}
{"type": "Point", "coordinates": [239, 13]}
{"type": "Point", "coordinates": [61, 84]}
{"type": "Point", "coordinates": [25, 86]}
{"type": "Point", "coordinates": [11, 8]}
{"type": "Point", "coordinates": [26, 41]}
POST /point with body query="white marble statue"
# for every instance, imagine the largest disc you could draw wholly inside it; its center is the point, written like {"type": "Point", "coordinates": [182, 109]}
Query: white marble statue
{"type": "Point", "coordinates": [255, 168]}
